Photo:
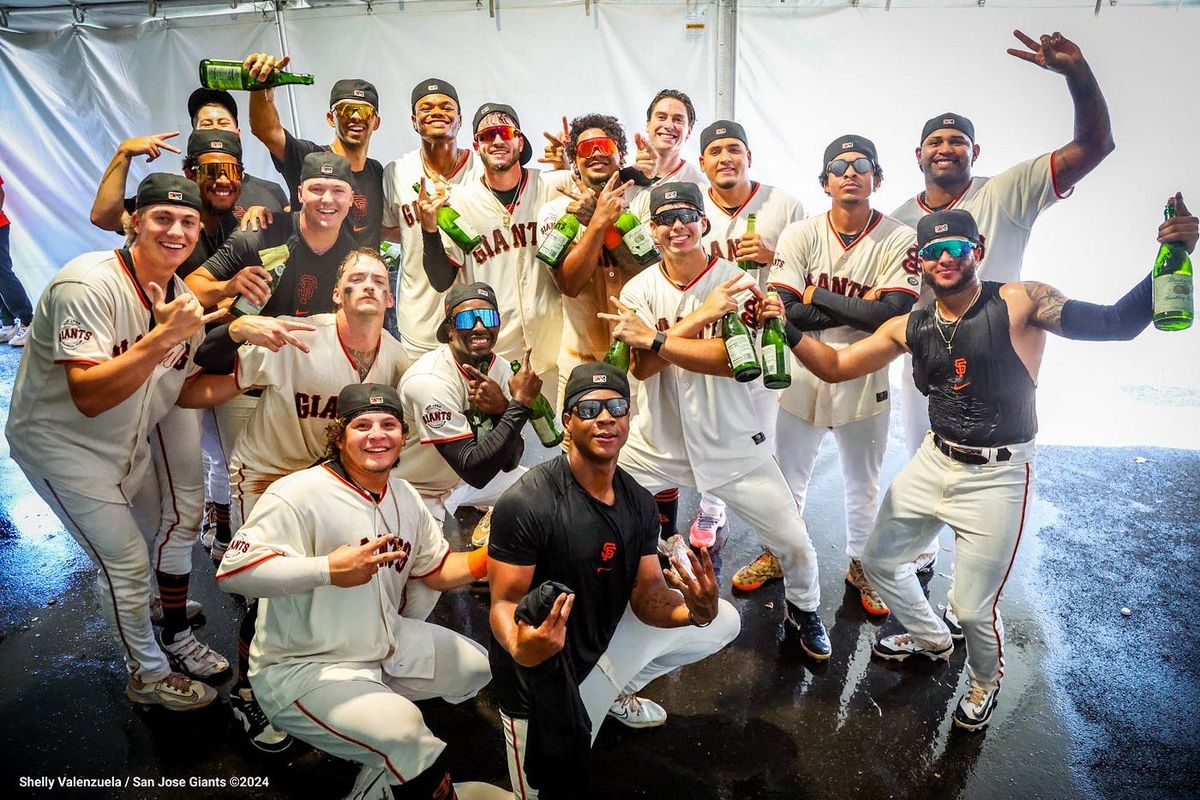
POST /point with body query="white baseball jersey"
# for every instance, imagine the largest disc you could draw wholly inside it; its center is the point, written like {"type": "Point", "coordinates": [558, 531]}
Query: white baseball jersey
{"type": "Point", "coordinates": [685, 172]}
{"type": "Point", "coordinates": [811, 253]}
{"type": "Point", "coordinates": [307, 627]}
{"type": "Point", "coordinates": [702, 430]}
{"type": "Point", "coordinates": [419, 309]}
{"type": "Point", "coordinates": [436, 396]}
{"type": "Point", "coordinates": [286, 432]}
{"type": "Point", "coordinates": [93, 311]}
{"type": "Point", "coordinates": [773, 210]}
{"type": "Point", "coordinates": [1005, 208]}
{"type": "Point", "coordinates": [530, 311]}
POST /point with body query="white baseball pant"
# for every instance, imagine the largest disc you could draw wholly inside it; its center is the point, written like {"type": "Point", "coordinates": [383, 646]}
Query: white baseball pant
{"type": "Point", "coordinates": [180, 483]}
{"type": "Point", "coordinates": [231, 416]}
{"type": "Point", "coordinates": [986, 505]}
{"type": "Point", "coordinates": [914, 409]}
{"type": "Point", "coordinates": [766, 406]}
{"type": "Point", "coordinates": [860, 446]}
{"type": "Point", "coordinates": [216, 460]}
{"type": "Point", "coordinates": [637, 654]}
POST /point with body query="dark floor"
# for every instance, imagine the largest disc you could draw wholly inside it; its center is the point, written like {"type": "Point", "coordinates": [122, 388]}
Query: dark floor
{"type": "Point", "coordinates": [1095, 704]}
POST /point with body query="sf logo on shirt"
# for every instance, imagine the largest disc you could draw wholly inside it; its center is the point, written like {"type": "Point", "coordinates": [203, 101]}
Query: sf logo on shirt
{"type": "Point", "coordinates": [607, 551]}
{"type": "Point", "coordinates": [398, 546]}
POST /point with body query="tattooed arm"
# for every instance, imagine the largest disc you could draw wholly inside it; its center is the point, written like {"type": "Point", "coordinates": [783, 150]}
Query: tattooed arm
{"type": "Point", "coordinates": [1047, 308]}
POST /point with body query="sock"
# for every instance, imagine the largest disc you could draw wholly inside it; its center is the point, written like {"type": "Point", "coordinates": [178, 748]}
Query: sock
{"type": "Point", "coordinates": [221, 522]}
{"type": "Point", "coordinates": [668, 511]}
{"type": "Point", "coordinates": [174, 591]}
{"type": "Point", "coordinates": [245, 636]}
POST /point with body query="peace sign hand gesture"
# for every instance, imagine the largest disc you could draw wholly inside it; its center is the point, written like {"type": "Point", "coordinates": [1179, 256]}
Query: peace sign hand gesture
{"type": "Point", "coordinates": [629, 327]}
{"type": "Point", "coordinates": [583, 200]}
{"type": "Point", "coordinates": [1054, 52]}
{"type": "Point", "coordinates": [556, 147]}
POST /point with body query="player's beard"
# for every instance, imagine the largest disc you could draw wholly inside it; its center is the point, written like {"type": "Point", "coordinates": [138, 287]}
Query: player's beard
{"type": "Point", "coordinates": [965, 276]}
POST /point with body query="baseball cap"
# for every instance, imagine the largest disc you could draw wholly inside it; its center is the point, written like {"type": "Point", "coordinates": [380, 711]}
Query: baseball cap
{"type": "Point", "coordinates": [722, 129]}
{"type": "Point", "coordinates": [593, 375]}
{"type": "Point", "coordinates": [461, 293]}
{"type": "Point", "coordinates": [501, 108]}
{"type": "Point", "coordinates": [206, 97]}
{"type": "Point", "coordinates": [163, 188]}
{"type": "Point", "coordinates": [354, 89]}
{"type": "Point", "coordinates": [356, 399]}
{"type": "Point", "coordinates": [675, 192]}
{"type": "Point", "coordinates": [850, 143]}
{"type": "Point", "coordinates": [324, 164]}
{"type": "Point", "coordinates": [949, 120]}
{"type": "Point", "coordinates": [945, 224]}
{"type": "Point", "coordinates": [214, 141]}
{"type": "Point", "coordinates": [433, 86]}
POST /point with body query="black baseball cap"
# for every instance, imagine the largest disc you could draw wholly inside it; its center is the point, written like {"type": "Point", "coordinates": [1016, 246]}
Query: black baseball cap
{"type": "Point", "coordinates": [593, 375]}
{"type": "Point", "coordinates": [323, 164]}
{"type": "Point", "coordinates": [163, 188]}
{"type": "Point", "coordinates": [214, 140]}
{"type": "Point", "coordinates": [433, 86]}
{"type": "Point", "coordinates": [461, 293]}
{"type": "Point", "coordinates": [208, 97]}
{"type": "Point", "coordinates": [356, 399]}
{"type": "Point", "coordinates": [354, 89]}
{"type": "Point", "coordinates": [944, 224]}
{"type": "Point", "coordinates": [487, 109]}
{"type": "Point", "coordinates": [851, 143]}
{"type": "Point", "coordinates": [722, 129]}
{"type": "Point", "coordinates": [664, 194]}
{"type": "Point", "coordinates": [949, 120]}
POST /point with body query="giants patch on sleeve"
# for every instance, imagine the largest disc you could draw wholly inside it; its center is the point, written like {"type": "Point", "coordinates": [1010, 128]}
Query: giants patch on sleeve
{"type": "Point", "coordinates": [435, 416]}
{"type": "Point", "coordinates": [72, 333]}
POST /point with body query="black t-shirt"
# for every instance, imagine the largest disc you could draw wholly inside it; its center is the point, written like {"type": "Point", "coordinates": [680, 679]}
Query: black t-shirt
{"type": "Point", "coordinates": [365, 220]}
{"type": "Point", "coordinates": [548, 521]}
{"type": "Point", "coordinates": [258, 192]}
{"type": "Point", "coordinates": [207, 244]}
{"type": "Point", "coordinates": [306, 286]}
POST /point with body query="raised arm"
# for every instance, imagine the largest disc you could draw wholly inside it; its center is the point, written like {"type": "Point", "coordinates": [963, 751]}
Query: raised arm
{"type": "Point", "coordinates": [264, 117]}
{"type": "Point", "coordinates": [109, 204]}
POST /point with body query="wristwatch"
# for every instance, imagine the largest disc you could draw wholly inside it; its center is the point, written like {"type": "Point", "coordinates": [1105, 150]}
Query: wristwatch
{"type": "Point", "coordinates": [659, 339]}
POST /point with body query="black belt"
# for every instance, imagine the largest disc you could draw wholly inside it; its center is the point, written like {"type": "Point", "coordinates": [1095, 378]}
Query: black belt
{"type": "Point", "coordinates": [253, 392]}
{"type": "Point", "coordinates": [970, 455]}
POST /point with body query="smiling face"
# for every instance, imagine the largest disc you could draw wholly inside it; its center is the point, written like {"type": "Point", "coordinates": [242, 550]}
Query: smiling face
{"type": "Point", "coordinates": [354, 122]}
{"type": "Point", "coordinates": [215, 116]}
{"type": "Point", "coordinates": [474, 345]}
{"type": "Point", "coordinates": [362, 286]}
{"type": "Point", "coordinates": [600, 439]}
{"type": "Point", "coordinates": [946, 157]}
{"type": "Point", "coordinates": [596, 167]}
{"type": "Point", "coordinates": [370, 443]}
{"type": "Point", "coordinates": [325, 201]}
{"type": "Point", "coordinates": [220, 193]}
{"type": "Point", "coordinates": [668, 127]}
{"type": "Point", "coordinates": [436, 118]}
{"type": "Point", "coordinates": [166, 234]}
{"type": "Point", "coordinates": [496, 153]}
{"type": "Point", "coordinates": [725, 163]}
{"type": "Point", "coordinates": [947, 274]}
{"type": "Point", "coordinates": [678, 238]}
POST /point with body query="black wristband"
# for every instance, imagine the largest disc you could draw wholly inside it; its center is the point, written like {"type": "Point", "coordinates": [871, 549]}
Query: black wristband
{"type": "Point", "coordinates": [794, 334]}
{"type": "Point", "coordinates": [660, 339]}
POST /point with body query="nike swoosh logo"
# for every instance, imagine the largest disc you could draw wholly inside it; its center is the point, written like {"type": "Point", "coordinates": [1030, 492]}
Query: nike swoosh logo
{"type": "Point", "coordinates": [357, 229]}
{"type": "Point", "coordinates": [300, 313]}
{"type": "Point", "coordinates": [961, 386]}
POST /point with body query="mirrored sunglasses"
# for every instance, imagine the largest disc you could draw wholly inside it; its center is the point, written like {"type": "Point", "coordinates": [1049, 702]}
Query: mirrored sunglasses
{"type": "Point", "coordinates": [465, 320]}
{"type": "Point", "coordinates": [685, 215]}
{"type": "Point", "coordinates": [364, 111]}
{"type": "Point", "coordinates": [601, 145]}
{"type": "Point", "coordinates": [837, 168]}
{"type": "Point", "coordinates": [590, 409]}
{"type": "Point", "coordinates": [214, 172]}
{"type": "Point", "coordinates": [506, 133]}
{"type": "Point", "coordinates": [957, 248]}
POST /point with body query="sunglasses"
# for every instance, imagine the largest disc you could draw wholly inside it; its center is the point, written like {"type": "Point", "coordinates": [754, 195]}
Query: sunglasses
{"type": "Point", "coordinates": [365, 111]}
{"type": "Point", "coordinates": [838, 168]}
{"type": "Point", "coordinates": [590, 409]}
{"type": "Point", "coordinates": [506, 133]}
{"type": "Point", "coordinates": [685, 215]}
{"type": "Point", "coordinates": [214, 172]}
{"type": "Point", "coordinates": [465, 320]}
{"type": "Point", "coordinates": [601, 145]}
{"type": "Point", "coordinates": [957, 248]}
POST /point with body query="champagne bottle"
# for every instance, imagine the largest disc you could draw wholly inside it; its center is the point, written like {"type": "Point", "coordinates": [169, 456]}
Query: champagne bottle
{"type": "Point", "coordinates": [776, 369]}
{"type": "Point", "coordinates": [274, 261]}
{"type": "Point", "coordinates": [542, 418]}
{"type": "Point", "coordinates": [747, 264]}
{"type": "Point", "coordinates": [554, 246]}
{"type": "Point", "coordinates": [216, 74]}
{"type": "Point", "coordinates": [618, 355]}
{"type": "Point", "coordinates": [480, 422]}
{"type": "Point", "coordinates": [739, 348]}
{"type": "Point", "coordinates": [1172, 277]}
{"type": "Point", "coordinates": [636, 236]}
{"type": "Point", "coordinates": [457, 228]}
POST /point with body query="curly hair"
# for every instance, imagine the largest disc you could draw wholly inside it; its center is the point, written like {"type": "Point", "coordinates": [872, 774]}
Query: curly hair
{"type": "Point", "coordinates": [333, 435]}
{"type": "Point", "coordinates": [673, 94]}
{"type": "Point", "coordinates": [610, 125]}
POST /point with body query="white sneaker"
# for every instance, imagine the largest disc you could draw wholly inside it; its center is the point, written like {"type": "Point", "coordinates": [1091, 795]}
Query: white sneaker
{"type": "Point", "coordinates": [976, 706]}
{"type": "Point", "coordinates": [483, 531]}
{"type": "Point", "coordinates": [951, 620]}
{"type": "Point", "coordinates": [175, 692]}
{"type": "Point", "coordinates": [195, 659]}
{"type": "Point", "coordinates": [20, 335]}
{"type": "Point", "coordinates": [703, 532]}
{"type": "Point", "coordinates": [925, 563]}
{"type": "Point", "coordinates": [903, 646]}
{"type": "Point", "coordinates": [258, 728]}
{"type": "Point", "coordinates": [637, 712]}
{"type": "Point", "coordinates": [8, 331]}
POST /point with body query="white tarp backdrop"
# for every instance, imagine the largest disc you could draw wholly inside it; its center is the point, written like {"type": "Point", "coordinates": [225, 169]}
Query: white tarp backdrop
{"type": "Point", "coordinates": [803, 73]}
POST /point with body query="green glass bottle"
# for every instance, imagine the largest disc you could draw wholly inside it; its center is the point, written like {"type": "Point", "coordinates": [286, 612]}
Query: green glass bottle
{"type": "Point", "coordinates": [636, 236]}
{"type": "Point", "coordinates": [274, 261]}
{"type": "Point", "coordinates": [618, 355]}
{"type": "Point", "coordinates": [739, 348]}
{"type": "Point", "coordinates": [773, 352]}
{"type": "Point", "coordinates": [554, 247]}
{"type": "Point", "coordinates": [457, 228]}
{"type": "Point", "coordinates": [1172, 277]}
{"type": "Point", "coordinates": [747, 264]}
{"type": "Point", "coordinates": [231, 75]}
{"type": "Point", "coordinates": [480, 422]}
{"type": "Point", "coordinates": [542, 418]}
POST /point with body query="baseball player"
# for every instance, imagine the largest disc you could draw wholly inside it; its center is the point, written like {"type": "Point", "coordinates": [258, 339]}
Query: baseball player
{"type": "Point", "coordinates": [976, 353]}
{"type": "Point", "coordinates": [1005, 206]}
{"type": "Point", "coordinates": [670, 118]}
{"type": "Point", "coordinates": [695, 425]}
{"type": "Point", "coordinates": [111, 348]}
{"type": "Point", "coordinates": [841, 275]}
{"type": "Point", "coordinates": [436, 117]}
{"type": "Point", "coordinates": [502, 204]}
{"type": "Point", "coordinates": [332, 550]}
{"type": "Point", "coordinates": [731, 198]}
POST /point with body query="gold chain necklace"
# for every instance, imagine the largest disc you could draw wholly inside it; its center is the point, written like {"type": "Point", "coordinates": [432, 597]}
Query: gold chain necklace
{"type": "Point", "coordinates": [937, 313]}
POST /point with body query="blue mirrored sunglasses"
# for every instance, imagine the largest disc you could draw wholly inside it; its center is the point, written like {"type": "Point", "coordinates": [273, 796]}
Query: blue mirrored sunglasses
{"type": "Point", "coordinates": [590, 409]}
{"type": "Point", "coordinates": [465, 320]}
{"type": "Point", "coordinates": [957, 248]}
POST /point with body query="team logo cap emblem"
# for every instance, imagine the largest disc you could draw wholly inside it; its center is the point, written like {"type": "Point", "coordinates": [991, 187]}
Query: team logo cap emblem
{"type": "Point", "coordinates": [720, 130]}
{"type": "Point", "coordinates": [359, 93]}
{"type": "Point", "coordinates": [948, 121]}
{"type": "Point", "coordinates": [375, 399]}
{"type": "Point", "coordinates": [433, 87]}
{"type": "Point", "coordinates": [483, 292]}
{"type": "Point", "coordinates": [599, 379]}
{"type": "Point", "coordinates": [326, 169]}
{"type": "Point", "coordinates": [847, 145]}
{"type": "Point", "coordinates": [175, 195]}
{"type": "Point", "coordinates": [941, 228]}
{"type": "Point", "coordinates": [217, 145]}
{"type": "Point", "coordinates": [670, 195]}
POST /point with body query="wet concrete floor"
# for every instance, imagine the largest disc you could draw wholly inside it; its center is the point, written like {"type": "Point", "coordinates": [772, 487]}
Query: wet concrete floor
{"type": "Point", "coordinates": [1094, 703]}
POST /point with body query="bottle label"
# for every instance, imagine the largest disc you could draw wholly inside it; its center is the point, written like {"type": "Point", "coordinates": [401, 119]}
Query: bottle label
{"type": "Point", "coordinates": [554, 245]}
{"type": "Point", "coordinates": [545, 431]}
{"type": "Point", "coordinates": [217, 76]}
{"type": "Point", "coordinates": [772, 359]}
{"type": "Point", "coordinates": [740, 350]}
{"type": "Point", "coordinates": [468, 231]}
{"type": "Point", "coordinates": [242, 306]}
{"type": "Point", "coordinates": [639, 242]}
{"type": "Point", "coordinates": [1172, 294]}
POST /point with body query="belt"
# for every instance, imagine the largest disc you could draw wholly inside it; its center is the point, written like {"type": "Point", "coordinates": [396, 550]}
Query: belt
{"type": "Point", "coordinates": [253, 392]}
{"type": "Point", "coordinates": [972, 455]}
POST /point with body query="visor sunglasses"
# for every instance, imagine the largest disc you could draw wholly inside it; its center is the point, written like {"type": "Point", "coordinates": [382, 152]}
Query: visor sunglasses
{"type": "Point", "coordinates": [365, 111]}
{"type": "Point", "coordinates": [465, 320]}
{"type": "Point", "coordinates": [837, 168]}
{"type": "Point", "coordinates": [214, 172]}
{"type": "Point", "coordinates": [957, 248]}
{"type": "Point", "coordinates": [590, 409]}
{"type": "Point", "coordinates": [506, 133]}
{"type": "Point", "coordinates": [601, 145]}
{"type": "Point", "coordinates": [685, 215]}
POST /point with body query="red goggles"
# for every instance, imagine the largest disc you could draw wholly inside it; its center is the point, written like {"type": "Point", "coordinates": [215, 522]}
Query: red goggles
{"type": "Point", "coordinates": [506, 133]}
{"type": "Point", "coordinates": [601, 145]}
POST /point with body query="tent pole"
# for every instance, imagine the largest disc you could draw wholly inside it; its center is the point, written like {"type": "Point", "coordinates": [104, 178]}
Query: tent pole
{"type": "Point", "coordinates": [283, 50]}
{"type": "Point", "coordinates": [726, 57]}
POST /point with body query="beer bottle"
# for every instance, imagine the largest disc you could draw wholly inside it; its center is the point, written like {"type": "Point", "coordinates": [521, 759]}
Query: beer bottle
{"type": "Point", "coordinates": [618, 355]}
{"type": "Point", "coordinates": [739, 348]}
{"type": "Point", "coordinates": [542, 417]}
{"type": "Point", "coordinates": [1172, 278]}
{"type": "Point", "coordinates": [480, 422]}
{"type": "Point", "coordinates": [457, 228]}
{"type": "Point", "coordinates": [554, 246]}
{"type": "Point", "coordinates": [747, 264]}
{"type": "Point", "coordinates": [274, 261]}
{"type": "Point", "coordinates": [216, 74]}
{"type": "Point", "coordinates": [636, 236]}
{"type": "Point", "coordinates": [776, 369]}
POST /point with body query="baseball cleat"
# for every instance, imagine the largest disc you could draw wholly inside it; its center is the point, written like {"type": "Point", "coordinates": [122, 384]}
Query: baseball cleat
{"type": "Point", "coordinates": [762, 569]}
{"type": "Point", "coordinates": [902, 646]}
{"type": "Point", "coordinates": [872, 603]}
{"type": "Point", "coordinates": [195, 659]}
{"type": "Point", "coordinates": [703, 532]}
{"type": "Point", "coordinates": [925, 563]}
{"type": "Point", "coordinates": [808, 627]}
{"type": "Point", "coordinates": [371, 784]}
{"type": "Point", "coordinates": [951, 620]}
{"type": "Point", "coordinates": [175, 692]}
{"type": "Point", "coordinates": [20, 336]}
{"type": "Point", "coordinates": [259, 730]}
{"type": "Point", "coordinates": [975, 708]}
{"type": "Point", "coordinates": [194, 610]}
{"type": "Point", "coordinates": [483, 531]}
{"type": "Point", "coordinates": [637, 712]}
